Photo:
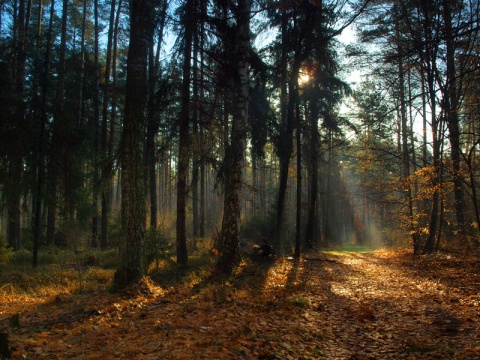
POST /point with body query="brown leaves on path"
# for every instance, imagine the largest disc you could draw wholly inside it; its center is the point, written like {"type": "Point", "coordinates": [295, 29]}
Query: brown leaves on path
{"type": "Point", "coordinates": [381, 305]}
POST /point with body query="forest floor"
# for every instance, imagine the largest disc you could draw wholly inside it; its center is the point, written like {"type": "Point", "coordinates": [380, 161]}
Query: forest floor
{"type": "Point", "coordinates": [328, 305]}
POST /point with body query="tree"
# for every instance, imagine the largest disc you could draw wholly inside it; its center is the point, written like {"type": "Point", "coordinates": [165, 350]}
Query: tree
{"type": "Point", "coordinates": [131, 266]}
{"type": "Point", "coordinates": [229, 242]}
{"type": "Point", "coordinates": [184, 136]}
{"type": "Point", "coordinates": [153, 119]}
{"type": "Point", "coordinates": [18, 125]}
{"type": "Point", "coordinates": [107, 167]}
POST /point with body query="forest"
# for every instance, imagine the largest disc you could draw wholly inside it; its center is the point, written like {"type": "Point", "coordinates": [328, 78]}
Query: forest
{"type": "Point", "coordinates": [184, 153]}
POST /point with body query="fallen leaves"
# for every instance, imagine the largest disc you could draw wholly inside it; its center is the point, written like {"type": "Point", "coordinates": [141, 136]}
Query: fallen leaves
{"type": "Point", "coordinates": [344, 306]}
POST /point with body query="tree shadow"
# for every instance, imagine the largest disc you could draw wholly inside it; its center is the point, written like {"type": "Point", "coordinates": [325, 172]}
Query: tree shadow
{"type": "Point", "coordinates": [253, 275]}
{"type": "Point", "coordinates": [381, 316]}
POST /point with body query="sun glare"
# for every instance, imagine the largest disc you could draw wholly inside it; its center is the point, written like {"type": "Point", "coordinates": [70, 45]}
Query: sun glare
{"type": "Point", "coordinates": [304, 78]}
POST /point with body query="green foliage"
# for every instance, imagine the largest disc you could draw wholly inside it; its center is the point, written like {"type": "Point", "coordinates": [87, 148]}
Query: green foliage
{"type": "Point", "coordinates": [6, 253]}
{"type": "Point", "coordinates": [106, 259]}
{"type": "Point", "coordinates": [258, 227]}
{"type": "Point", "coordinates": [158, 246]}
{"type": "Point", "coordinates": [73, 235]}
{"type": "Point", "coordinates": [114, 229]}
{"type": "Point", "coordinates": [299, 301]}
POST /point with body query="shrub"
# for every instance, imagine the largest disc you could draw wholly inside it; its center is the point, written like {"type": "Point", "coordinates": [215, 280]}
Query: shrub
{"type": "Point", "coordinates": [257, 228]}
{"type": "Point", "coordinates": [158, 245]}
{"type": "Point", "coordinates": [114, 229]}
{"type": "Point", "coordinates": [6, 253]}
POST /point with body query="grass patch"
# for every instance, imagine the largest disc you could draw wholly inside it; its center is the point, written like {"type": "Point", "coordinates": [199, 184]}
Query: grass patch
{"type": "Point", "coordinates": [169, 274]}
{"type": "Point", "coordinates": [299, 301]}
{"type": "Point", "coordinates": [58, 272]}
{"type": "Point", "coordinates": [348, 248]}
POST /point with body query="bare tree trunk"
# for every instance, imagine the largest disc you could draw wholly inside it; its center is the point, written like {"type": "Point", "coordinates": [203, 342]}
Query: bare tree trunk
{"type": "Point", "coordinates": [113, 113]}
{"type": "Point", "coordinates": [152, 128]}
{"type": "Point", "coordinates": [285, 152]}
{"type": "Point", "coordinates": [15, 154]}
{"type": "Point", "coordinates": [82, 65]}
{"type": "Point", "coordinates": [58, 131]}
{"type": "Point", "coordinates": [452, 103]}
{"type": "Point", "coordinates": [298, 215]}
{"type": "Point", "coordinates": [406, 158]}
{"type": "Point", "coordinates": [152, 116]}
{"type": "Point", "coordinates": [106, 168]}
{"type": "Point", "coordinates": [424, 122]}
{"type": "Point", "coordinates": [96, 119]}
{"type": "Point", "coordinates": [195, 136]}
{"type": "Point", "coordinates": [285, 149]}
{"type": "Point", "coordinates": [40, 175]}
{"type": "Point", "coordinates": [184, 139]}
{"type": "Point", "coordinates": [433, 216]}
{"type": "Point", "coordinates": [312, 176]}
{"type": "Point", "coordinates": [229, 242]}
{"type": "Point", "coordinates": [132, 265]}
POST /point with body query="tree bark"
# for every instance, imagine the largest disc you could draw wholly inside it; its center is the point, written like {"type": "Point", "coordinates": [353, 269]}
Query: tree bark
{"type": "Point", "coordinates": [106, 168]}
{"type": "Point", "coordinates": [312, 176]}
{"type": "Point", "coordinates": [184, 139]}
{"type": "Point", "coordinates": [58, 132]}
{"type": "Point", "coordinates": [452, 103]}
{"type": "Point", "coordinates": [229, 242]}
{"type": "Point", "coordinates": [15, 153]}
{"type": "Point", "coordinates": [298, 214]}
{"type": "Point", "coordinates": [40, 178]}
{"type": "Point", "coordinates": [96, 118]}
{"type": "Point", "coordinates": [132, 265]}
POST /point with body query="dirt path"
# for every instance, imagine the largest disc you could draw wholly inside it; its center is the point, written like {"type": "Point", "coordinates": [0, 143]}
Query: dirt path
{"type": "Point", "coordinates": [327, 306]}
{"type": "Point", "coordinates": [393, 307]}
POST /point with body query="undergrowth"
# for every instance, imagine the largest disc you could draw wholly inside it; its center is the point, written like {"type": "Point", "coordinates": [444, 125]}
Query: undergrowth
{"type": "Point", "coordinates": [70, 272]}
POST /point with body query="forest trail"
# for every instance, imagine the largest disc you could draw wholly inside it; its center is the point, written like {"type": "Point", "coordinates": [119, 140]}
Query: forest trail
{"type": "Point", "coordinates": [352, 305]}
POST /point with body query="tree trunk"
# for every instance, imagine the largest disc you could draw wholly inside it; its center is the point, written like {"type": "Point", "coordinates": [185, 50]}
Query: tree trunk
{"type": "Point", "coordinates": [312, 176]}
{"type": "Point", "coordinates": [106, 168]}
{"type": "Point", "coordinates": [113, 113]}
{"type": "Point", "coordinates": [58, 132]}
{"type": "Point", "coordinates": [298, 215]}
{"type": "Point", "coordinates": [152, 117]}
{"type": "Point", "coordinates": [202, 200]}
{"type": "Point", "coordinates": [285, 143]}
{"type": "Point", "coordinates": [131, 266]}
{"type": "Point", "coordinates": [15, 154]}
{"type": "Point", "coordinates": [285, 152]}
{"type": "Point", "coordinates": [184, 138]}
{"type": "Point", "coordinates": [229, 242]}
{"type": "Point", "coordinates": [152, 128]}
{"type": "Point", "coordinates": [195, 137]}
{"type": "Point", "coordinates": [452, 104]}
{"type": "Point", "coordinates": [96, 118]}
{"type": "Point", "coordinates": [40, 178]}
{"type": "Point", "coordinates": [82, 65]}
{"type": "Point", "coordinates": [433, 216]}
{"type": "Point", "coordinates": [406, 158]}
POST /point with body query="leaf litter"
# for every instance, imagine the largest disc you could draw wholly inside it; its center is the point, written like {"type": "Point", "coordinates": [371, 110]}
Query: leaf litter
{"type": "Point", "coordinates": [380, 305]}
